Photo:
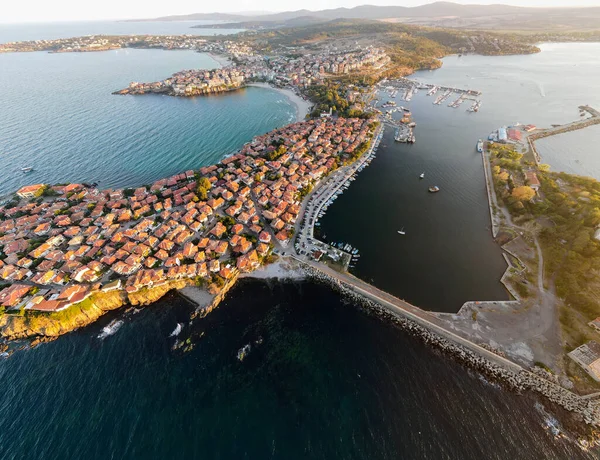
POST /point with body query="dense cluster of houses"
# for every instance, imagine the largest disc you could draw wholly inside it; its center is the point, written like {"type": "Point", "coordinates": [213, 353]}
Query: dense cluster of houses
{"type": "Point", "coordinates": [307, 69]}
{"type": "Point", "coordinates": [192, 82]}
{"type": "Point", "coordinates": [284, 70]}
{"type": "Point", "coordinates": [60, 244]}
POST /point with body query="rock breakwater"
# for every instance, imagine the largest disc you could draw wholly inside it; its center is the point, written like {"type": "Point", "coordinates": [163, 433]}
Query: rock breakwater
{"type": "Point", "coordinates": [509, 374]}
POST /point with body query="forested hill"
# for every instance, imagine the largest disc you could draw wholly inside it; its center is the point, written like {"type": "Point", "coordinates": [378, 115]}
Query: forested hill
{"type": "Point", "coordinates": [410, 47]}
{"type": "Point", "coordinates": [441, 14]}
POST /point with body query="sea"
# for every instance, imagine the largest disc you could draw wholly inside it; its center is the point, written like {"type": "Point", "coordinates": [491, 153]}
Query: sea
{"type": "Point", "coordinates": [447, 255]}
{"type": "Point", "coordinates": [322, 379]}
{"type": "Point", "coordinates": [60, 117]}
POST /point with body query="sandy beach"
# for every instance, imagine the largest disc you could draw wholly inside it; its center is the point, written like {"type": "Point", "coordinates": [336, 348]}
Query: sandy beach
{"type": "Point", "coordinates": [302, 106]}
{"type": "Point", "coordinates": [283, 268]}
{"type": "Point", "coordinates": [223, 60]}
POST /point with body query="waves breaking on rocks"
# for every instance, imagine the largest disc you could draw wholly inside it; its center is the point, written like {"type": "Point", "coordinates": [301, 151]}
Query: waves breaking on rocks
{"type": "Point", "coordinates": [515, 378]}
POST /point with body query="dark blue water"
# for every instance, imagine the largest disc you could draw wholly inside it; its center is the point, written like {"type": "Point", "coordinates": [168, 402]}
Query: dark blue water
{"type": "Point", "coordinates": [59, 116]}
{"type": "Point", "coordinates": [327, 382]}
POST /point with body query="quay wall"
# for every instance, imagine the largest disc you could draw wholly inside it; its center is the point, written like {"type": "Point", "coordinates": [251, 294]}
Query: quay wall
{"type": "Point", "coordinates": [490, 190]}
{"type": "Point", "coordinates": [469, 353]}
{"type": "Point", "coordinates": [531, 138]}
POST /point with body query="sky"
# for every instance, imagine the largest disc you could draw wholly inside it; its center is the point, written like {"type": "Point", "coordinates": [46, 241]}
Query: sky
{"type": "Point", "coordinates": [76, 10]}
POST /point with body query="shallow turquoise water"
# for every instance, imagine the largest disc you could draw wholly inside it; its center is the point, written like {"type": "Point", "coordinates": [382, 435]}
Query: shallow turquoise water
{"type": "Point", "coordinates": [59, 116]}
{"type": "Point", "coordinates": [327, 381]}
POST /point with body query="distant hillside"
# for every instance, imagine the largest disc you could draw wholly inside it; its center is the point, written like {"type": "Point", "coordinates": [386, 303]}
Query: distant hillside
{"type": "Point", "coordinates": [442, 14]}
{"type": "Point", "coordinates": [197, 17]}
{"type": "Point", "coordinates": [259, 24]}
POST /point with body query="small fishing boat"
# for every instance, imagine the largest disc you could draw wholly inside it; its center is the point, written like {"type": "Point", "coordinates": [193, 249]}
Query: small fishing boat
{"type": "Point", "coordinates": [434, 189]}
{"type": "Point", "coordinates": [243, 352]}
{"type": "Point", "coordinates": [402, 232]}
{"type": "Point", "coordinates": [27, 169]}
{"type": "Point", "coordinates": [422, 176]}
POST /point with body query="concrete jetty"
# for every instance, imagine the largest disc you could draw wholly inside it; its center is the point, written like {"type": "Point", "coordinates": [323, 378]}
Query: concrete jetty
{"type": "Point", "coordinates": [594, 119]}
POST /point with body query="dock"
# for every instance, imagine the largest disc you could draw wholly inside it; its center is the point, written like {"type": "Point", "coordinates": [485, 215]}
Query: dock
{"type": "Point", "coordinates": [411, 87]}
{"type": "Point", "coordinates": [594, 119]}
{"type": "Point", "coordinates": [324, 194]}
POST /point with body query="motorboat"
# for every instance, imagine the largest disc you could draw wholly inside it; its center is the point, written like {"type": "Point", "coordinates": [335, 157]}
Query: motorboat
{"type": "Point", "coordinates": [434, 189]}
{"type": "Point", "coordinates": [422, 176]}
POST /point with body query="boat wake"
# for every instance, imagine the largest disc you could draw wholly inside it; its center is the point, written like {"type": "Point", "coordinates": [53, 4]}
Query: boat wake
{"type": "Point", "coordinates": [110, 329]}
{"type": "Point", "coordinates": [541, 88]}
{"type": "Point", "coordinates": [177, 330]}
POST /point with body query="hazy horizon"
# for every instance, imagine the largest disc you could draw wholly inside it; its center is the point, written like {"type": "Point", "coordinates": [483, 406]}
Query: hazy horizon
{"type": "Point", "coordinates": [42, 11]}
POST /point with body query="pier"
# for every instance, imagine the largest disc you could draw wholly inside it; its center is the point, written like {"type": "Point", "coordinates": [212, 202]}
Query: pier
{"type": "Point", "coordinates": [594, 119]}
{"type": "Point", "coordinates": [411, 87]}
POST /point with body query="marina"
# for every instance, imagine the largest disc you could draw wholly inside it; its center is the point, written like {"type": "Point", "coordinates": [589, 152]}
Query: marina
{"type": "Point", "coordinates": [319, 202]}
{"type": "Point", "coordinates": [410, 88]}
{"type": "Point", "coordinates": [440, 248]}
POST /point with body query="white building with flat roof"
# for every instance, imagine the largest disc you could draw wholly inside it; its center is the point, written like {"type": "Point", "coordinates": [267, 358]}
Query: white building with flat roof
{"type": "Point", "coordinates": [588, 357]}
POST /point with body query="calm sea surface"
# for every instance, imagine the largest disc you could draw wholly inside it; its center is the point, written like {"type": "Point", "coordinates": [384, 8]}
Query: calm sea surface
{"type": "Point", "coordinates": [55, 30]}
{"type": "Point", "coordinates": [327, 381]}
{"type": "Point", "coordinates": [447, 255]}
{"type": "Point", "coordinates": [59, 116]}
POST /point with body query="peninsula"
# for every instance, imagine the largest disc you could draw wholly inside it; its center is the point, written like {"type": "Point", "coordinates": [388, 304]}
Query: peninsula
{"type": "Point", "coordinates": [70, 252]}
{"type": "Point", "coordinates": [301, 70]}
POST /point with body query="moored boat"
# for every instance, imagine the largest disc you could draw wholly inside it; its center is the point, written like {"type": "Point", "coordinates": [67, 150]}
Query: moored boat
{"type": "Point", "coordinates": [480, 146]}
{"type": "Point", "coordinates": [434, 189]}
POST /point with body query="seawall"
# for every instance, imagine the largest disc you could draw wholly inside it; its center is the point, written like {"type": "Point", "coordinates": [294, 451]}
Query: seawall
{"type": "Point", "coordinates": [576, 125]}
{"type": "Point", "coordinates": [469, 353]}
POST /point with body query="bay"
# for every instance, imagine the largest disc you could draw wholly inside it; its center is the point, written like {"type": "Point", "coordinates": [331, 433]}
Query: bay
{"type": "Point", "coordinates": [326, 380]}
{"type": "Point", "coordinates": [60, 117]}
{"type": "Point", "coordinates": [448, 256]}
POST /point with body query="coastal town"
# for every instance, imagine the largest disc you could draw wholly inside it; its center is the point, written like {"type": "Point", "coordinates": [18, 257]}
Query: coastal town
{"type": "Point", "coordinates": [62, 244]}
{"type": "Point", "coordinates": [297, 71]}
{"type": "Point", "coordinates": [96, 43]}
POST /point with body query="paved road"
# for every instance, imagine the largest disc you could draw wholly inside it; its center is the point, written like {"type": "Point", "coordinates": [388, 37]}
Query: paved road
{"type": "Point", "coordinates": [322, 193]}
{"type": "Point", "coordinates": [407, 310]}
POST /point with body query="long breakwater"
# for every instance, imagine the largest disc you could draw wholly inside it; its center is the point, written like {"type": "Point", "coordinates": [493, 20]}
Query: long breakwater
{"type": "Point", "coordinates": [472, 355]}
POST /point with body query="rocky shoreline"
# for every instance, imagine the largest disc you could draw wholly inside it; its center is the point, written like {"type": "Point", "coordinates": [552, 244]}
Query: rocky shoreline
{"type": "Point", "coordinates": [40, 327]}
{"type": "Point", "coordinates": [512, 376]}
{"type": "Point", "coordinates": [170, 92]}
